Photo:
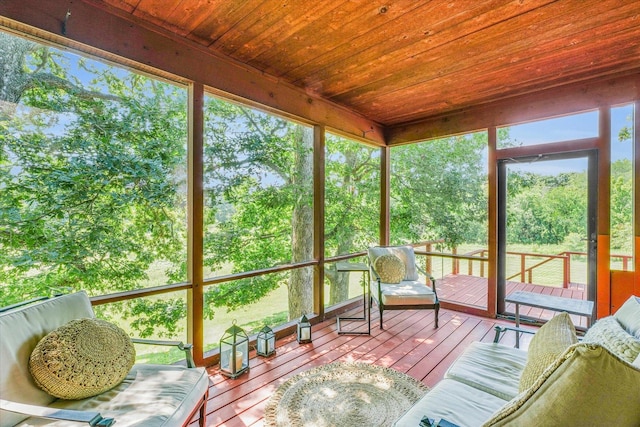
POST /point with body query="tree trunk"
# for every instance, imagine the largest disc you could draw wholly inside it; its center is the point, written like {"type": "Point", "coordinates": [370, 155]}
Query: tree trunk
{"type": "Point", "coordinates": [339, 282]}
{"type": "Point", "coordinates": [301, 279]}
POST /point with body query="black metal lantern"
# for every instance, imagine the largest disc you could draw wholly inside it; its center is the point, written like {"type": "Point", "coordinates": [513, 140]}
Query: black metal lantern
{"type": "Point", "coordinates": [304, 330]}
{"type": "Point", "coordinates": [234, 352]}
{"type": "Point", "coordinates": [266, 342]}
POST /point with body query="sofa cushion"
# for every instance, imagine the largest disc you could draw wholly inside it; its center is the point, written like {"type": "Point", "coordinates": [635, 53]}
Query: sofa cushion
{"type": "Point", "coordinates": [405, 293]}
{"type": "Point", "coordinates": [390, 268]}
{"type": "Point", "coordinates": [150, 395]}
{"type": "Point", "coordinates": [28, 325]}
{"type": "Point", "coordinates": [551, 340]}
{"type": "Point", "coordinates": [587, 386]}
{"type": "Point", "coordinates": [610, 334]}
{"type": "Point", "coordinates": [492, 368]}
{"type": "Point", "coordinates": [455, 402]}
{"type": "Point", "coordinates": [83, 358]}
{"type": "Point", "coordinates": [405, 253]}
{"type": "Point", "coordinates": [629, 316]}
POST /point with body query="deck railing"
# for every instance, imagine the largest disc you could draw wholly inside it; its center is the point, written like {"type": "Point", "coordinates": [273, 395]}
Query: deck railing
{"type": "Point", "coordinates": [525, 274]}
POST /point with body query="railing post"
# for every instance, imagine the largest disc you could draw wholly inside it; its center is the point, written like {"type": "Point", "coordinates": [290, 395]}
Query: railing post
{"type": "Point", "coordinates": [428, 261]}
{"type": "Point", "coordinates": [522, 268]}
{"type": "Point", "coordinates": [454, 262]}
{"type": "Point", "coordinates": [568, 255]}
{"type": "Point", "coordinates": [482, 264]}
{"type": "Point", "coordinates": [565, 283]}
{"type": "Point", "coordinates": [625, 263]}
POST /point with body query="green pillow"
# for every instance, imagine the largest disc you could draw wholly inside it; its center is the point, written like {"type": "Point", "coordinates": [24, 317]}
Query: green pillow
{"type": "Point", "coordinates": [586, 386]}
{"type": "Point", "coordinates": [551, 340]}
{"type": "Point", "coordinates": [82, 358]}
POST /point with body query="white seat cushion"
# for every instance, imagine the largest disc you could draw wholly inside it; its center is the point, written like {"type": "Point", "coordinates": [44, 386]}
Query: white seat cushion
{"type": "Point", "coordinates": [493, 368]}
{"type": "Point", "coordinates": [28, 325]}
{"type": "Point", "coordinates": [455, 402]}
{"type": "Point", "coordinates": [407, 292]}
{"type": "Point", "coordinates": [151, 395]}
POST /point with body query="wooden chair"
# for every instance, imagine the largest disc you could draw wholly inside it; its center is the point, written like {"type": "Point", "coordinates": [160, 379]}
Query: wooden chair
{"type": "Point", "coordinates": [408, 293]}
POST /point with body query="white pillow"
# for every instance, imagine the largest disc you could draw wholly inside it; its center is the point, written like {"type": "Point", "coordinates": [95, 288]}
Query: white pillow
{"type": "Point", "coordinates": [609, 333]}
{"type": "Point", "coordinates": [629, 316]}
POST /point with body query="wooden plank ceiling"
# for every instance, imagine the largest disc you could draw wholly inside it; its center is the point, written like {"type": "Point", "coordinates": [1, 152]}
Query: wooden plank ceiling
{"type": "Point", "coordinates": [402, 61]}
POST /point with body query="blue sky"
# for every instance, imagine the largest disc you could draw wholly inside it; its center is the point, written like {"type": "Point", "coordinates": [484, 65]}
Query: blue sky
{"type": "Point", "coordinates": [572, 127]}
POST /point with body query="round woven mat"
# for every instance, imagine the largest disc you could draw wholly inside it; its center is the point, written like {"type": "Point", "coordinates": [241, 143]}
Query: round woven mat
{"type": "Point", "coordinates": [343, 395]}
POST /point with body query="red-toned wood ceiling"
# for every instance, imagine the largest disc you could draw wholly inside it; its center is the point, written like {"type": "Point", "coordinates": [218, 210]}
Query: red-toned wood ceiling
{"type": "Point", "coordinates": [400, 61]}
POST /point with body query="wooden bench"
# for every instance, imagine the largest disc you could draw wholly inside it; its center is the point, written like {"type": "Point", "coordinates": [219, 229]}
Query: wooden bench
{"type": "Point", "coordinates": [549, 302]}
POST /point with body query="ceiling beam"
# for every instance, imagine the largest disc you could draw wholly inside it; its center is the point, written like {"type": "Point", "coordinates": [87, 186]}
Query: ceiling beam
{"type": "Point", "coordinates": [558, 101]}
{"type": "Point", "coordinates": [93, 26]}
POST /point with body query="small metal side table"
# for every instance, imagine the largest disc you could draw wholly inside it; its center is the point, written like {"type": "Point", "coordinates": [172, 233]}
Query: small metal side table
{"type": "Point", "coordinates": [366, 292]}
{"type": "Point", "coordinates": [549, 302]}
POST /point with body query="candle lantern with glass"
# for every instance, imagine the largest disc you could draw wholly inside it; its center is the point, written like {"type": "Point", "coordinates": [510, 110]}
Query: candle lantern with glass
{"type": "Point", "coordinates": [266, 342]}
{"type": "Point", "coordinates": [234, 352]}
{"type": "Point", "coordinates": [304, 330]}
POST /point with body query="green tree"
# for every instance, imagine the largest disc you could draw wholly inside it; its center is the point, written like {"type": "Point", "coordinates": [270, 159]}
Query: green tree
{"type": "Point", "coordinates": [91, 177]}
{"type": "Point", "coordinates": [259, 170]}
{"type": "Point", "coordinates": [438, 191]}
{"type": "Point", "coordinates": [622, 205]}
{"type": "Point", "coordinates": [546, 209]}
{"type": "Point", "coordinates": [352, 205]}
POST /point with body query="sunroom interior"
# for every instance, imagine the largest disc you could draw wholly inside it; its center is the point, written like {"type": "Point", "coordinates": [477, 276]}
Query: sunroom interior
{"type": "Point", "coordinates": [285, 138]}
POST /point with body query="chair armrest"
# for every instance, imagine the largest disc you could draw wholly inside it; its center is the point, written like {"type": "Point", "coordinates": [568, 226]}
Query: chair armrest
{"type": "Point", "coordinates": [501, 329]}
{"type": "Point", "coordinates": [430, 277]}
{"type": "Point", "coordinates": [90, 417]}
{"type": "Point", "coordinates": [377, 278]}
{"type": "Point", "coordinates": [184, 347]}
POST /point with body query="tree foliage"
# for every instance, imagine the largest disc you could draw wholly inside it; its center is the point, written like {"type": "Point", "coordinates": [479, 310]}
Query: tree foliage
{"type": "Point", "coordinates": [438, 191]}
{"type": "Point", "coordinates": [92, 175]}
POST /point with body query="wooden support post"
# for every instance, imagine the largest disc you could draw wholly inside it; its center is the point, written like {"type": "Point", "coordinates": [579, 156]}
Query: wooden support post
{"type": "Point", "coordinates": [195, 296]}
{"type": "Point", "coordinates": [318, 217]}
{"type": "Point", "coordinates": [454, 262]}
{"type": "Point", "coordinates": [385, 188]}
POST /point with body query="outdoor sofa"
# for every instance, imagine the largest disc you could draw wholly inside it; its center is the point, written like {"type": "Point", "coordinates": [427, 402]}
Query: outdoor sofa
{"type": "Point", "coordinates": [557, 382]}
{"type": "Point", "coordinates": [148, 395]}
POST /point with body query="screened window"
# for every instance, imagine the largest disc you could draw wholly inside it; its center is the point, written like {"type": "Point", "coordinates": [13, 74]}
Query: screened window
{"type": "Point", "coordinates": [92, 174]}
{"type": "Point", "coordinates": [352, 208]}
{"type": "Point", "coordinates": [258, 188]}
{"type": "Point", "coordinates": [565, 128]}
{"type": "Point", "coordinates": [438, 199]}
{"type": "Point", "coordinates": [622, 131]}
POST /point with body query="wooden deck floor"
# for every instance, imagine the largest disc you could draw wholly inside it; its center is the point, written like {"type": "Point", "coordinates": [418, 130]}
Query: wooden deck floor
{"type": "Point", "coordinates": [409, 343]}
{"type": "Point", "coordinates": [472, 290]}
